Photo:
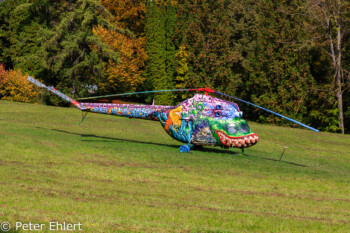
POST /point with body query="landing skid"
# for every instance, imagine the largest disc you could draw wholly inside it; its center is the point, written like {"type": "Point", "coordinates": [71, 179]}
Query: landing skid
{"type": "Point", "coordinates": [185, 148]}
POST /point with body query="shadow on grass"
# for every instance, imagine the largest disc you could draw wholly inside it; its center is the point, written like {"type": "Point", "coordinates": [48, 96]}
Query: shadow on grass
{"type": "Point", "coordinates": [203, 149]}
{"type": "Point", "coordinates": [216, 150]}
{"type": "Point", "coordinates": [276, 160]}
{"type": "Point", "coordinates": [104, 137]}
{"type": "Point", "coordinates": [198, 148]}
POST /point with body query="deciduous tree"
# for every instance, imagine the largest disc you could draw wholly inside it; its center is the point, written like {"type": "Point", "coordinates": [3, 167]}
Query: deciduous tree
{"type": "Point", "coordinates": [126, 73]}
{"type": "Point", "coordinates": [15, 87]}
{"type": "Point", "coordinates": [331, 18]}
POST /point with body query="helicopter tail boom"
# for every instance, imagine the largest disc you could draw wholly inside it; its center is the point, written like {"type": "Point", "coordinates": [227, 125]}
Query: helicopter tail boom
{"type": "Point", "coordinates": [56, 92]}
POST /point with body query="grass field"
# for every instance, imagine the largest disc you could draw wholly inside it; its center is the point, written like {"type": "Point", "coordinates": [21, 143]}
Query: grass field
{"type": "Point", "coordinates": [119, 174]}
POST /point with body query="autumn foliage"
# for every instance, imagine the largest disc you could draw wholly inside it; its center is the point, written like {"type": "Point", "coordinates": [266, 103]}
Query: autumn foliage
{"type": "Point", "coordinates": [128, 14]}
{"type": "Point", "coordinates": [126, 74]}
{"type": "Point", "coordinates": [14, 86]}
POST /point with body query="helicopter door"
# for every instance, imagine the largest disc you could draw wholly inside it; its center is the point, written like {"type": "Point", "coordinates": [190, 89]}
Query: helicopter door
{"type": "Point", "coordinates": [202, 134]}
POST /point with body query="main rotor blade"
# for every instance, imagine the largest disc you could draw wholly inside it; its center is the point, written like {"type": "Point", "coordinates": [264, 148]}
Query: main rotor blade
{"type": "Point", "coordinates": [275, 113]}
{"type": "Point", "coordinates": [206, 90]}
{"type": "Point", "coordinates": [132, 93]}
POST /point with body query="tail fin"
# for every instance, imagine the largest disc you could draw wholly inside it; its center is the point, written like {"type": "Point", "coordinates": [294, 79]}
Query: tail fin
{"type": "Point", "coordinates": [60, 94]}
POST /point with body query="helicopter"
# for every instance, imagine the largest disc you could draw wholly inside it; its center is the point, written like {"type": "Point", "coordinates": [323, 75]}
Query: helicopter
{"type": "Point", "coordinates": [202, 120]}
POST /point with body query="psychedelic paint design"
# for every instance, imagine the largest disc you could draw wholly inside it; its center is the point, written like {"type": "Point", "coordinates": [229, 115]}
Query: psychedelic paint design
{"type": "Point", "coordinates": [200, 120]}
{"type": "Point", "coordinates": [205, 120]}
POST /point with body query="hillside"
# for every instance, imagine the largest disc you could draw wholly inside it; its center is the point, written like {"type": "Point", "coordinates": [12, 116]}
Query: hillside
{"type": "Point", "coordinates": [119, 174]}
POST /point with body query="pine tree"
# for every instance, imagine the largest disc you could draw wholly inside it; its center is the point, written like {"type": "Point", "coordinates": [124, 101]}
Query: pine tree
{"type": "Point", "coordinates": [242, 15]}
{"type": "Point", "coordinates": [22, 32]}
{"type": "Point", "coordinates": [75, 56]}
{"type": "Point", "coordinates": [53, 41]}
{"type": "Point", "coordinates": [170, 23]}
{"type": "Point", "coordinates": [156, 51]}
{"type": "Point", "coordinates": [279, 74]}
{"type": "Point", "coordinates": [203, 27]}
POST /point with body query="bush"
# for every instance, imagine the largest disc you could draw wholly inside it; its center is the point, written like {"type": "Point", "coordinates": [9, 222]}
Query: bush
{"type": "Point", "coordinates": [14, 86]}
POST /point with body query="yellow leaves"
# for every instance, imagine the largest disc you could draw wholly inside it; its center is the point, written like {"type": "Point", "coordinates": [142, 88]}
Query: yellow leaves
{"type": "Point", "coordinates": [173, 2]}
{"type": "Point", "coordinates": [14, 86]}
{"type": "Point", "coordinates": [181, 67]}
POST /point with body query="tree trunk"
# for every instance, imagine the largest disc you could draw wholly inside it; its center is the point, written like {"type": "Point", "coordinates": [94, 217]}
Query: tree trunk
{"type": "Point", "coordinates": [340, 103]}
{"type": "Point", "coordinates": [338, 70]}
{"type": "Point", "coordinates": [332, 17]}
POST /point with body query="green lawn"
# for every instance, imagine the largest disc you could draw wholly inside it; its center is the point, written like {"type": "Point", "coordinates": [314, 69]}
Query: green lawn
{"type": "Point", "coordinates": [119, 174]}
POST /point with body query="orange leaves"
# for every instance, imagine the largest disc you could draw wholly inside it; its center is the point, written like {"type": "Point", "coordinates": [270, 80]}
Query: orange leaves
{"type": "Point", "coordinates": [127, 72]}
{"type": "Point", "coordinates": [129, 14]}
{"type": "Point", "coordinates": [14, 86]}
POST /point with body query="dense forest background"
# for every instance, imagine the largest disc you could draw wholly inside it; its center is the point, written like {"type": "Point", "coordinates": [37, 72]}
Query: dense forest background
{"type": "Point", "coordinates": [289, 56]}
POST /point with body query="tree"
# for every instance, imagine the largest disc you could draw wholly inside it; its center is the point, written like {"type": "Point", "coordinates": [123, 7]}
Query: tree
{"type": "Point", "coordinates": [14, 86]}
{"type": "Point", "coordinates": [332, 25]}
{"type": "Point", "coordinates": [170, 23]}
{"type": "Point", "coordinates": [181, 70]}
{"type": "Point", "coordinates": [158, 65]}
{"type": "Point", "coordinates": [128, 14]}
{"type": "Point", "coordinates": [322, 104]}
{"type": "Point", "coordinates": [204, 29]}
{"type": "Point", "coordinates": [21, 32]}
{"type": "Point", "coordinates": [346, 96]}
{"type": "Point", "coordinates": [53, 41]}
{"type": "Point", "coordinates": [125, 74]}
{"type": "Point", "coordinates": [279, 76]}
{"type": "Point", "coordinates": [74, 55]}
{"type": "Point", "coordinates": [5, 9]}
{"type": "Point", "coordinates": [242, 20]}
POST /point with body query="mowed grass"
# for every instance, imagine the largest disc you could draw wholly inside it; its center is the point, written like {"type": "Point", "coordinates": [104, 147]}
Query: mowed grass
{"type": "Point", "coordinates": [118, 174]}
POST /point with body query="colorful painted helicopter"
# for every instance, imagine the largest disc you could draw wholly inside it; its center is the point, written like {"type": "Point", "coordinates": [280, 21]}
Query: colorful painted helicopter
{"type": "Point", "coordinates": [202, 120]}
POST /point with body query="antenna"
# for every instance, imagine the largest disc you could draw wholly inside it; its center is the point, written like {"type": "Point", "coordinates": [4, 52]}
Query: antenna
{"type": "Point", "coordinates": [133, 93]}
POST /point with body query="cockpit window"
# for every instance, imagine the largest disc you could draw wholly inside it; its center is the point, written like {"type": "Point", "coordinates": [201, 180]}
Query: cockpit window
{"type": "Point", "coordinates": [231, 129]}
{"type": "Point", "coordinates": [244, 128]}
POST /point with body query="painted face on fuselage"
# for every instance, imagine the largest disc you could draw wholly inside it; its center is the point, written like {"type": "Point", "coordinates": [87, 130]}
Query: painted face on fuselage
{"type": "Point", "coordinates": [233, 133]}
{"type": "Point", "coordinates": [217, 122]}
